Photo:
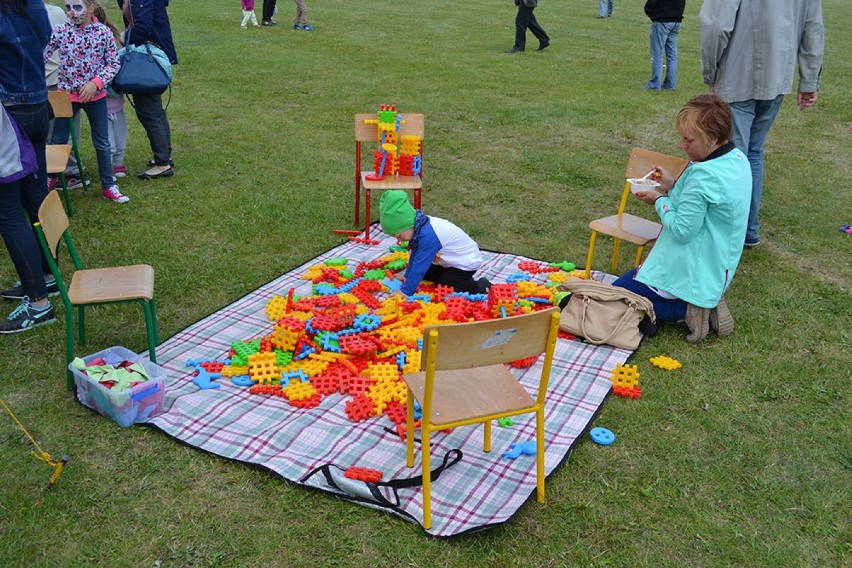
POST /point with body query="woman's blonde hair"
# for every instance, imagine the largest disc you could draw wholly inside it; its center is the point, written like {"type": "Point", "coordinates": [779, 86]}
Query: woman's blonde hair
{"type": "Point", "coordinates": [708, 117]}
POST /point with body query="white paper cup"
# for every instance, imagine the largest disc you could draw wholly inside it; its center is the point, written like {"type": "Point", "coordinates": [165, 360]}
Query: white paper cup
{"type": "Point", "coordinates": [639, 184]}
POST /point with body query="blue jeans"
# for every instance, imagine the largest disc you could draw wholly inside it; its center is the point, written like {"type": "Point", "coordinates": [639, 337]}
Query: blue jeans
{"type": "Point", "coordinates": [152, 116]}
{"type": "Point", "coordinates": [26, 195]}
{"type": "Point", "coordinates": [664, 309]}
{"type": "Point", "coordinates": [602, 11]}
{"type": "Point", "coordinates": [96, 112]}
{"type": "Point", "coordinates": [752, 121]}
{"type": "Point", "coordinates": [663, 38]}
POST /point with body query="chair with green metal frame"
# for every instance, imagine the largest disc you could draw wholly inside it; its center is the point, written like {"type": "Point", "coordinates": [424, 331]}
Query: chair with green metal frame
{"type": "Point", "coordinates": [465, 382]}
{"type": "Point", "coordinates": [90, 287]}
{"type": "Point", "coordinates": [58, 154]}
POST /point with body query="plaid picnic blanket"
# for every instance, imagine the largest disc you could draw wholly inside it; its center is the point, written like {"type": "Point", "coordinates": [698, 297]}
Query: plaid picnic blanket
{"type": "Point", "coordinates": [314, 446]}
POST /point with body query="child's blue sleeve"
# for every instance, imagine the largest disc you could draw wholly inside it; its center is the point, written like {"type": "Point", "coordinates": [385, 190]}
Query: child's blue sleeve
{"type": "Point", "coordinates": [428, 247]}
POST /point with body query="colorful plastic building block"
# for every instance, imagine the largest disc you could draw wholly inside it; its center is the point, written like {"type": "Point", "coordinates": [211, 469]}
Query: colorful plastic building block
{"type": "Point", "coordinates": [515, 450]}
{"type": "Point", "coordinates": [666, 363]}
{"type": "Point", "coordinates": [602, 436]}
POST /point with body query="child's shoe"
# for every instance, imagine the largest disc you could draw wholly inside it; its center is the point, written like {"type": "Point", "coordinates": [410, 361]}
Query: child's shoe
{"type": "Point", "coordinates": [257, 25]}
{"type": "Point", "coordinates": [119, 171]}
{"type": "Point", "coordinates": [26, 316]}
{"type": "Point", "coordinates": [307, 27]}
{"type": "Point", "coordinates": [297, 27]}
{"type": "Point", "coordinates": [243, 26]}
{"type": "Point", "coordinates": [114, 194]}
{"type": "Point", "coordinates": [74, 182]}
{"type": "Point", "coordinates": [51, 183]}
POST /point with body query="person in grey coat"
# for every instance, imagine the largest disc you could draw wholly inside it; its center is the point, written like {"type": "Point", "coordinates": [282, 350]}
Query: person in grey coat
{"type": "Point", "coordinates": [749, 52]}
{"type": "Point", "coordinates": [526, 19]}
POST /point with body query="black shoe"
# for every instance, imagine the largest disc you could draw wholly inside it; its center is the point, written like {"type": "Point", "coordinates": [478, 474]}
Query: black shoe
{"type": "Point", "coordinates": [543, 46]}
{"type": "Point", "coordinates": [163, 174]}
{"type": "Point", "coordinates": [483, 285]}
{"type": "Point", "coordinates": [16, 292]}
{"type": "Point", "coordinates": [269, 23]}
{"type": "Point", "coordinates": [151, 163]}
{"type": "Point", "coordinates": [514, 50]}
{"type": "Point", "coordinates": [26, 317]}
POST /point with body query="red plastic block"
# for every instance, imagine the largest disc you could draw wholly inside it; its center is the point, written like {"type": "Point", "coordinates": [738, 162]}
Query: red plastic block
{"type": "Point", "coordinates": [364, 474]}
{"type": "Point", "coordinates": [360, 408]}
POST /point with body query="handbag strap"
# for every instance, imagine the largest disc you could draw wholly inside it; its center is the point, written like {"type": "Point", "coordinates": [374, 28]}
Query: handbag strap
{"type": "Point", "coordinates": [616, 330]}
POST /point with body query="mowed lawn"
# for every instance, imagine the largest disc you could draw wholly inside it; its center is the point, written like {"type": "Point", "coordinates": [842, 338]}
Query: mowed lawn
{"type": "Point", "coordinates": [742, 457]}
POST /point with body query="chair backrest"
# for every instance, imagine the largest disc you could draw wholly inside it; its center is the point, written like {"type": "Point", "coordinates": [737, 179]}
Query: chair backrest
{"type": "Point", "coordinates": [483, 343]}
{"type": "Point", "coordinates": [53, 220]}
{"type": "Point", "coordinates": [412, 124]}
{"type": "Point", "coordinates": [60, 102]}
{"type": "Point", "coordinates": [642, 161]}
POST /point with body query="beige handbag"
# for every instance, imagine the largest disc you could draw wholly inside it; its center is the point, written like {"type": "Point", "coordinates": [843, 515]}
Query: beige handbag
{"type": "Point", "coordinates": [602, 313]}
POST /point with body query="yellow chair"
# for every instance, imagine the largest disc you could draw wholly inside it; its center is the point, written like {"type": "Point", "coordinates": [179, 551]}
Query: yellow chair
{"type": "Point", "coordinates": [94, 286]}
{"type": "Point", "coordinates": [413, 125]}
{"type": "Point", "coordinates": [58, 154]}
{"type": "Point", "coordinates": [465, 382]}
{"type": "Point", "coordinates": [624, 226]}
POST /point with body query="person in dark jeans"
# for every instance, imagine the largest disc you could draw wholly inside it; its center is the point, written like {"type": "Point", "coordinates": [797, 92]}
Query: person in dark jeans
{"type": "Point", "coordinates": [526, 19]}
{"type": "Point", "coordinates": [147, 21]}
{"type": "Point", "coordinates": [268, 12]}
{"type": "Point", "coordinates": [24, 32]}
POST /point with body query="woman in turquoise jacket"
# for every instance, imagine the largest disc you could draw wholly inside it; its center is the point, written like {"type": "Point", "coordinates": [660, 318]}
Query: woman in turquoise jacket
{"type": "Point", "coordinates": [704, 214]}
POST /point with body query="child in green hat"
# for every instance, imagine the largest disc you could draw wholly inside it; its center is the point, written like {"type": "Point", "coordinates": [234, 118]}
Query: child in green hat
{"type": "Point", "coordinates": [440, 251]}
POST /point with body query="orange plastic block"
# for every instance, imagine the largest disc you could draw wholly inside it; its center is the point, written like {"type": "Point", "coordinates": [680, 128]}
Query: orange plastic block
{"type": "Point", "coordinates": [627, 392]}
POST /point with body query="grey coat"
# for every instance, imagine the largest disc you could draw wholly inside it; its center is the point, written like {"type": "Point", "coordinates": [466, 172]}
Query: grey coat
{"type": "Point", "coordinates": [749, 48]}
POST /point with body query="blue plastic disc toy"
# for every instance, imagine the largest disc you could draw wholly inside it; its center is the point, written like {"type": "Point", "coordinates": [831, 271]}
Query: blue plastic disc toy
{"type": "Point", "coordinates": [602, 436]}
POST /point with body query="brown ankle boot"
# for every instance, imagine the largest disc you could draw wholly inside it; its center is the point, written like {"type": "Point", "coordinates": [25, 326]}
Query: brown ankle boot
{"type": "Point", "coordinates": [721, 320]}
{"type": "Point", "coordinates": [698, 322]}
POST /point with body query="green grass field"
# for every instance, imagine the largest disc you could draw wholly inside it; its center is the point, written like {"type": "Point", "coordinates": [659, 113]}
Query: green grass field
{"type": "Point", "coordinates": [742, 457]}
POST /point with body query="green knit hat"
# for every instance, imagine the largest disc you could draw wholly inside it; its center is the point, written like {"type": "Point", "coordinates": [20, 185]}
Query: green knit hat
{"type": "Point", "coordinates": [395, 212]}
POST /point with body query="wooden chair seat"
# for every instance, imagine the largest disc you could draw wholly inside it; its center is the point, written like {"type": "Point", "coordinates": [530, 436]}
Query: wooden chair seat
{"type": "Point", "coordinates": [628, 227]}
{"type": "Point", "coordinates": [118, 284]}
{"type": "Point", "coordinates": [487, 390]}
{"type": "Point", "coordinates": [391, 182]}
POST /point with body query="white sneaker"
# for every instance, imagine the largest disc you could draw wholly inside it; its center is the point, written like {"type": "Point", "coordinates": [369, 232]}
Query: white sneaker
{"type": "Point", "coordinates": [114, 194]}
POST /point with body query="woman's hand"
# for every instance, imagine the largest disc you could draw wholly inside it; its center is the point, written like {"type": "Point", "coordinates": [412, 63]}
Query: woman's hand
{"type": "Point", "coordinates": [649, 196]}
{"type": "Point", "coordinates": [664, 178]}
{"type": "Point", "coordinates": [88, 91]}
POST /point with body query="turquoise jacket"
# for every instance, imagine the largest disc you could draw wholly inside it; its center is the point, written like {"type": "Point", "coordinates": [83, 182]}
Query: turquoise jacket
{"type": "Point", "coordinates": [704, 220]}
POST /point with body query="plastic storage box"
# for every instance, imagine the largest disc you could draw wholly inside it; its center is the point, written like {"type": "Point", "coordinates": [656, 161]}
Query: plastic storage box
{"type": "Point", "coordinates": [126, 407]}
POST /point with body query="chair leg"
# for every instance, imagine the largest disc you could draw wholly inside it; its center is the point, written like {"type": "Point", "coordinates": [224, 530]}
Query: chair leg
{"type": "Point", "coordinates": [367, 213]}
{"type": "Point", "coordinates": [639, 255]}
{"type": "Point", "coordinates": [81, 315]}
{"type": "Point", "coordinates": [417, 198]}
{"type": "Point", "coordinates": [616, 244]}
{"type": "Point", "coordinates": [486, 434]}
{"type": "Point", "coordinates": [155, 321]}
{"type": "Point", "coordinates": [539, 453]}
{"type": "Point", "coordinates": [67, 199]}
{"type": "Point", "coordinates": [149, 330]}
{"type": "Point", "coordinates": [591, 254]}
{"type": "Point", "coordinates": [69, 344]}
{"type": "Point", "coordinates": [427, 478]}
{"type": "Point", "coordinates": [409, 430]}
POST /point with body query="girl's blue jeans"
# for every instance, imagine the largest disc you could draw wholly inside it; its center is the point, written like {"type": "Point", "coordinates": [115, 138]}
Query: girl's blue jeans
{"type": "Point", "coordinates": [96, 111]}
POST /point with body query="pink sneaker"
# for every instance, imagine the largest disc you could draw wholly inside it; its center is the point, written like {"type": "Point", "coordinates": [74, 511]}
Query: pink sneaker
{"type": "Point", "coordinates": [114, 194]}
{"type": "Point", "coordinates": [51, 183]}
{"type": "Point", "coordinates": [119, 172]}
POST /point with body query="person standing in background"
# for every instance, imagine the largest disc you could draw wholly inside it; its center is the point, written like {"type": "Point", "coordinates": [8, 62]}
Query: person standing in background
{"type": "Point", "coordinates": [147, 21]}
{"type": "Point", "coordinates": [526, 19]}
{"type": "Point", "coordinates": [268, 12]}
{"type": "Point", "coordinates": [665, 16]}
{"type": "Point", "coordinates": [749, 52]}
